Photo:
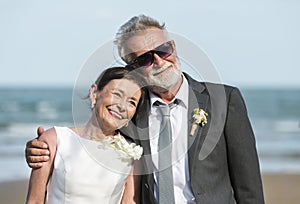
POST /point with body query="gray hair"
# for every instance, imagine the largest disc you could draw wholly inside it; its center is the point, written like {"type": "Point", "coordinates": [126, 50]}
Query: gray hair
{"type": "Point", "coordinates": [133, 26]}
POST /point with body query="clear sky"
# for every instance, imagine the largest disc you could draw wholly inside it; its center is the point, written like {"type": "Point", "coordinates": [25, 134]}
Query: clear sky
{"type": "Point", "coordinates": [251, 43]}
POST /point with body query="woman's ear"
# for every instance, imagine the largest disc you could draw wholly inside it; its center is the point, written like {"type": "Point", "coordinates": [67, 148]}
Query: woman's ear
{"type": "Point", "coordinates": [93, 95]}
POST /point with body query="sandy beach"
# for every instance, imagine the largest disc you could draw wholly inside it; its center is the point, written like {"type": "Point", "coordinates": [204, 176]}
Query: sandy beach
{"type": "Point", "coordinates": [13, 192]}
{"type": "Point", "coordinates": [281, 188]}
{"type": "Point", "coordinates": [278, 189]}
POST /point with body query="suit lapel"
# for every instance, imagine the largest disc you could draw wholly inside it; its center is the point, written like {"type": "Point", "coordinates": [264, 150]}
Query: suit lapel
{"type": "Point", "coordinates": [198, 98]}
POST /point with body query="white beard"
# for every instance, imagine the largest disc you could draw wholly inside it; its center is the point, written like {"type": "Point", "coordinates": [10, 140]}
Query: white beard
{"type": "Point", "coordinates": [162, 82]}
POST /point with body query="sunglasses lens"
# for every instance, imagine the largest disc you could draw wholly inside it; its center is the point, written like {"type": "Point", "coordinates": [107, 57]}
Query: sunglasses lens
{"type": "Point", "coordinates": [163, 55]}
{"type": "Point", "coordinates": [145, 59]}
{"type": "Point", "coordinates": [165, 50]}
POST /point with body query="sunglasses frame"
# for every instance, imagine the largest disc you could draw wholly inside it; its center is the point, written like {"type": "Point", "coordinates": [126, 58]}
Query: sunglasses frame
{"type": "Point", "coordinates": [140, 62]}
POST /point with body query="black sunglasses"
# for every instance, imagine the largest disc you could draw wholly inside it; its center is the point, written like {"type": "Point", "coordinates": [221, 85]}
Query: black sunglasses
{"type": "Point", "coordinates": [147, 59]}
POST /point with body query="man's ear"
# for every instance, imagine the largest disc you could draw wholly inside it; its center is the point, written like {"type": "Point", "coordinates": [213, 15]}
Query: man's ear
{"type": "Point", "coordinates": [174, 47]}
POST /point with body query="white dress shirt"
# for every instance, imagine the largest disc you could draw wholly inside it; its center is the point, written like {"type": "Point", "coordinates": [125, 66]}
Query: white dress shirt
{"type": "Point", "coordinates": [178, 118]}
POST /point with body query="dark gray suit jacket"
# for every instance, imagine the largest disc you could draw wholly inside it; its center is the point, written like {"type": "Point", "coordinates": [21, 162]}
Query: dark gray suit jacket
{"type": "Point", "coordinates": [222, 156]}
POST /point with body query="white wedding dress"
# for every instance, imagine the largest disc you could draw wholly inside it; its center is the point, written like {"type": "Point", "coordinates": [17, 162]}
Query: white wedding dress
{"type": "Point", "coordinates": [85, 172]}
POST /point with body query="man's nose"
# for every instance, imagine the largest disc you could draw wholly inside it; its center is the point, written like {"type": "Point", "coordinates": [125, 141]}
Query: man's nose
{"type": "Point", "coordinates": [158, 61]}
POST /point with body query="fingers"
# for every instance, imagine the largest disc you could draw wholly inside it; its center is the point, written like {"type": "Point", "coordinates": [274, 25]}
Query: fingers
{"type": "Point", "coordinates": [33, 149]}
{"type": "Point", "coordinates": [40, 131]}
{"type": "Point", "coordinates": [36, 161]}
{"type": "Point", "coordinates": [36, 153]}
{"type": "Point", "coordinates": [35, 143]}
{"type": "Point", "coordinates": [35, 165]}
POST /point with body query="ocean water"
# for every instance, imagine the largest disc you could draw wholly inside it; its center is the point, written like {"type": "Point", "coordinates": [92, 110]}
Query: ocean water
{"type": "Point", "coordinates": [275, 117]}
{"type": "Point", "coordinates": [21, 112]}
{"type": "Point", "coordinates": [274, 114]}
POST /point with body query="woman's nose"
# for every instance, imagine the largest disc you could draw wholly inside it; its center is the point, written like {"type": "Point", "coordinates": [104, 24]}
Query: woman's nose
{"type": "Point", "coordinates": [121, 105]}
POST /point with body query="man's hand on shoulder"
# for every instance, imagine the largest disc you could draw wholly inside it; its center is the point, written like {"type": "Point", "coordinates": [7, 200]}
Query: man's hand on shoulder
{"type": "Point", "coordinates": [36, 151]}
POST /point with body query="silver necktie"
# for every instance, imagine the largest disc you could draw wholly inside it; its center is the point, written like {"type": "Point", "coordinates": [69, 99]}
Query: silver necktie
{"type": "Point", "coordinates": [165, 174]}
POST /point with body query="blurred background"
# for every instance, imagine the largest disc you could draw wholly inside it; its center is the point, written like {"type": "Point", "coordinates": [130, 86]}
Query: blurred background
{"type": "Point", "coordinates": [254, 45]}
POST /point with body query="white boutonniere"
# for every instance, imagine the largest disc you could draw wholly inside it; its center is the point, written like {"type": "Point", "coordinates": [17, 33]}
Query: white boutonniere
{"type": "Point", "coordinates": [200, 118]}
{"type": "Point", "coordinates": [126, 151]}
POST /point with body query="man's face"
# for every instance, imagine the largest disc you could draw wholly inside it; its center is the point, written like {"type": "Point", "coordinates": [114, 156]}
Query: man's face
{"type": "Point", "coordinates": [162, 74]}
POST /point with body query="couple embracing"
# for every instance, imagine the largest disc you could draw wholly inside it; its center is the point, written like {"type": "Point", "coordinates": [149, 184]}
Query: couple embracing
{"type": "Point", "coordinates": [197, 142]}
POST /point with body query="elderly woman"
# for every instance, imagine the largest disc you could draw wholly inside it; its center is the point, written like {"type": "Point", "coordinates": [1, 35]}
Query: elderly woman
{"type": "Point", "coordinates": [92, 164]}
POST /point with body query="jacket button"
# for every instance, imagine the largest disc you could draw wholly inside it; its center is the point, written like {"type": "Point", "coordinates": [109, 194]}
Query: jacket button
{"type": "Point", "coordinates": [146, 185]}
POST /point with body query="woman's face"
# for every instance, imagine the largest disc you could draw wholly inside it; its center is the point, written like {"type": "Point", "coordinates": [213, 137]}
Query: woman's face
{"type": "Point", "coordinates": [116, 103]}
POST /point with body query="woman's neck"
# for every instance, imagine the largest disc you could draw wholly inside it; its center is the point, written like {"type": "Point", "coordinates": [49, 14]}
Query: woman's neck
{"type": "Point", "coordinates": [93, 130]}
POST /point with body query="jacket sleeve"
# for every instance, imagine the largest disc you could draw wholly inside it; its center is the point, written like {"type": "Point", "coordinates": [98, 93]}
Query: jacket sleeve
{"type": "Point", "coordinates": [242, 154]}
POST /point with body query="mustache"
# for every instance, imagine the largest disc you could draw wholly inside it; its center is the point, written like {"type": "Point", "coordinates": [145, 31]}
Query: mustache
{"type": "Point", "coordinates": [158, 70]}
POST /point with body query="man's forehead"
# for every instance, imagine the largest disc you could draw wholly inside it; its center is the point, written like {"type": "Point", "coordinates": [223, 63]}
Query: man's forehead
{"type": "Point", "coordinates": [146, 40]}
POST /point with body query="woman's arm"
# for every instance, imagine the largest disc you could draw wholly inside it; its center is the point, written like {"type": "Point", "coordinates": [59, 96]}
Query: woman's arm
{"type": "Point", "coordinates": [132, 188]}
{"type": "Point", "coordinates": [37, 189]}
